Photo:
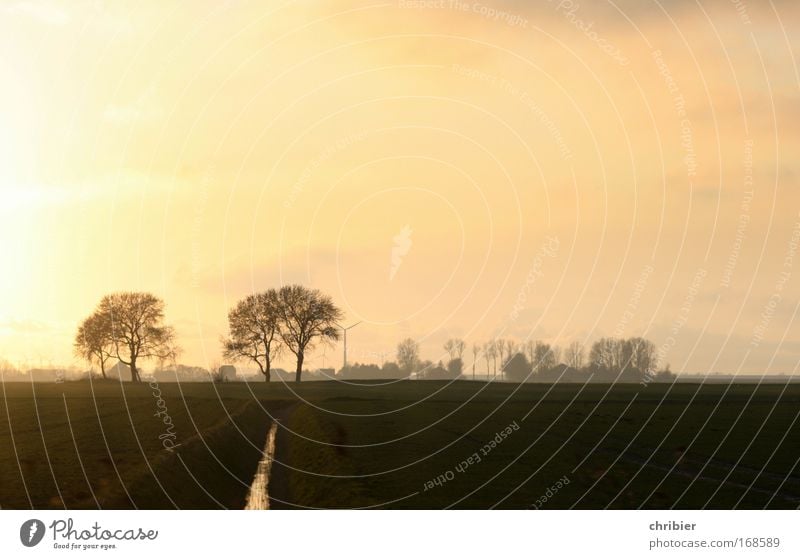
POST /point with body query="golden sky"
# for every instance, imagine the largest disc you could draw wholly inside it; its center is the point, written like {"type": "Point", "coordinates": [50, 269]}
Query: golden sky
{"type": "Point", "coordinates": [559, 172]}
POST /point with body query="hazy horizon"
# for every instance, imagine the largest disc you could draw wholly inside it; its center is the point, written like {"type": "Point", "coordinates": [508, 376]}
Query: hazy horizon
{"type": "Point", "coordinates": [441, 172]}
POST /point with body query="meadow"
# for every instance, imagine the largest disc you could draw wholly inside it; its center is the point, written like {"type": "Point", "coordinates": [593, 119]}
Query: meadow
{"type": "Point", "coordinates": [407, 444]}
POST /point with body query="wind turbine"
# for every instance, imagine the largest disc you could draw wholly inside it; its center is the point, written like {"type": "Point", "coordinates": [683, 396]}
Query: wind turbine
{"type": "Point", "coordinates": [344, 330]}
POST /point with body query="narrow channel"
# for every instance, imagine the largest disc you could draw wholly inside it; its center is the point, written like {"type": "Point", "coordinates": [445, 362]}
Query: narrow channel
{"type": "Point", "coordinates": [258, 497]}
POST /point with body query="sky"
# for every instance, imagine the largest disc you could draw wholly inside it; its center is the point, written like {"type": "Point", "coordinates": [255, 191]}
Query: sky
{"type": "Point", "coordinates": [559, 171]}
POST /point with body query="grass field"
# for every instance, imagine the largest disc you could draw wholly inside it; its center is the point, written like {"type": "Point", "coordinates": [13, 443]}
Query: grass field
{"type": "Point", "coordinates": [402, 445]}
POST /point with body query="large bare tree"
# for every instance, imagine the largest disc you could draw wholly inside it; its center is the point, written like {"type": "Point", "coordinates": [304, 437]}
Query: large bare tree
{"type": "Point", "coordinates": [93, 341]}
{"type": "Point", "coordinates": [255, 334]}
{"type": "Point", "coordinates": [136, 329]}
{"type": "Point", "coordinates": [307, 315]}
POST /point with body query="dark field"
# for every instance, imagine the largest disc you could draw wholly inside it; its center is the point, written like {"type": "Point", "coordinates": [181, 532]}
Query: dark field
{"type": "Point", "coordinates": [77, 445]}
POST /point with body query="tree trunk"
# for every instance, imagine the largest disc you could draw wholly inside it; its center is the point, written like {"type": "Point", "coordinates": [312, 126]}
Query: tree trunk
{"type": "Point", "coordinates": [266, 371]}
{"type": "Point", "coordinates": [299, 367]}
{"type": "Point", "coordinates": [134, 371]}
{"type": "Point", "coordinates": [103, 367]}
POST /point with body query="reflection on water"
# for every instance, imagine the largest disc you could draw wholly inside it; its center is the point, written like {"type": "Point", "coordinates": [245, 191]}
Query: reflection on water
{"type": "Point", "coordinates": [258, 497]}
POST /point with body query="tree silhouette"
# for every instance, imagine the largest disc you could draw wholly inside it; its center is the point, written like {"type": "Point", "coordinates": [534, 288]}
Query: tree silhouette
{"type": "Point", "coordinates": [307, 315]}
{"type": "Point", "coordinates": [491, 351]}
{"type": "Point", "coordinates": [500, 351]}
{"type": "Point", "coordinates": [93, 341]}
{"type": "Point", "coordinates": [530, 350]}
{"type": "Point", "coordinates": [615, 355]}
{"type": "Point", "coordinates": [136, 328]}
{"type": "Point", "coordinates": [455, 367]}
{"type": "Point", "coordinates": [601, 356]}
{"type": "Point", "coordinates": [254, 325]}
{"type": "Point", "coordinates": [510, 349]}
{"type": "Point", "coordinates": [476, 350]}
{"type": "Point", "coordinates": [487, 355]}
{"type": "Point", "coordinates": [518, 368]}
{"type": "Point", "coordinates": [544, 357]}
{"type": "Point", "coordinates": [407, 355]}
{"type": "Point", "coordinates": [574, 355]}
{"type": "Point", "coordinates": [455, 348]}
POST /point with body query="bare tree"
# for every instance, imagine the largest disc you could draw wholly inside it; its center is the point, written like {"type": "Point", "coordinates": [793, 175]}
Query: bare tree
{"type": "Point", "coordinates": [511, 349]}
{"type": "Point", "coordinates": [307, 315]}
{"type": "Point", "coordinates": [615, 355]}
{"type": "Point", "coordinates": [408, 355]}
{"type": "Point", "coordinates": [574, 355]}
{"type": "Point", "coordinates": [254, 325]}
{"type": "Point", "coordinates": [556, 352]}
{"type": "Point", "coordinates": [642, 354]}
{"type": "Point", "coordinates": [530, 350]}
{"type": "Point", "coordinates": [455, 348]}
{"type": "Point", "coordinates": [606, 355]}
{"type": "Point", "coordinates": [476, 350]}
{"type": "Point", "coordinates": [544, 358]}
{"type": "Point", "coordinates": [93, 341]}
{"type": "Point", "coordinates": [136, 328]}
{"type": "Point", "coordinates": [492, 349]}
{"type": "Point", "coordinates": [500, 350]}
{"type": "Point", "coordinates": [487, 355]}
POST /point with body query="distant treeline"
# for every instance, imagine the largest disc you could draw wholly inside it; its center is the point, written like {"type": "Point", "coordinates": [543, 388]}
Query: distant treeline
{"type": "Point", "coordinates": [129, 327]}
{"type": "Point", "coordinates": [608, 360]}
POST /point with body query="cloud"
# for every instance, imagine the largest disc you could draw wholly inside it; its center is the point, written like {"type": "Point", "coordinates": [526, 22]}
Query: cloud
{"type": "Point", "coordinates": [24, 326]}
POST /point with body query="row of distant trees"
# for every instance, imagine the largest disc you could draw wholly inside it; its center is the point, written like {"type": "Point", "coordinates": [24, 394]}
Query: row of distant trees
{"type": "Point", "coordinates": [608, 359]}
{"type": "Point", "coordinates": [130, 328]}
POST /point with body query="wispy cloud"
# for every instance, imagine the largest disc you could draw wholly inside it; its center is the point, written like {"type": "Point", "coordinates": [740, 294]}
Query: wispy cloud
{"type": "Point", "coordinates": [23, 326]}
